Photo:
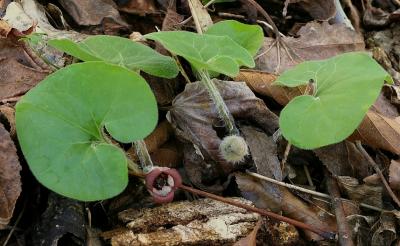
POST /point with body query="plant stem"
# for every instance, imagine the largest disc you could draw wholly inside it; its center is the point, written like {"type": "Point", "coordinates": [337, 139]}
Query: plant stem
{"type": "Point", "coordinates": [143, 155]}
{"type": "Point", "coordinates": [219, 103]}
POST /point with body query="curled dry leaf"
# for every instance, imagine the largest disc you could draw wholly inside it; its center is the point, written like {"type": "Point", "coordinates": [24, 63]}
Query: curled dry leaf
{"type": "Point", "coordinates": [264, 154]}
{"type": "Point", "coordinates": [18, 71]}
{"type": "Point", "coordinates": [385, 233]}
{"type": "Point", "coordinates": [291, 206]}
{"type": "Point", "coordinates": [394, 175]}
{"type": "Point", "coordinates": [200, 222]}
{"type": "Point", "coordinates": [362, 193]}
{"type": "Point", "coordinates": [91, 13]}
{"type": "Point", "coordinates": [379, 129]}
{"type": "Point", "coordinates": [9, 114]}
{"type": "Point", "coordinates": [315, 42]}
{"type": "Point", "coordinates": [319, 10]}
{"type": "Point", "coordinates": [157, 138]}
{"type": "Point", "coordinates": [344, 159]}
{"type": "Point", "coordinates": [194, 116]}
{"type": "Point", "coordinates": [10, 180]}
{"type": "Point", "coordinates": [251, 239]}
{"type": "Point", "coordinates": [140, 7]}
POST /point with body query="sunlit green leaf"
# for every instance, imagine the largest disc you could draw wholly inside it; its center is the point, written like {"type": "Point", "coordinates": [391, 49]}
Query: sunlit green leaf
{"type": "Point", "coordinates": [250, 37]}
{"type": "Point", "coordinates": [62, 125]}
{"type": "Point", "coordinates": [120, 51]}
{"type": "Point", "coordinates": [213, 53]}
{"type": "Point", "coordinates": [345, 87]}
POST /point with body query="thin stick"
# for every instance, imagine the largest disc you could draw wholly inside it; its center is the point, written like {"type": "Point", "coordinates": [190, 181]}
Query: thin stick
{"type": "Point", "coordinates": [311, 192]}
{"type": "Point", "coordinates": [285, 155]}
{"type": "Point", "coordinates": [318, 231]}
{"type": "Point", "coordinates": [344, 232]}
{"type": "Point", "coordinates": [307, 172]}
{"type": "Point", "coordinates": [378, 171]}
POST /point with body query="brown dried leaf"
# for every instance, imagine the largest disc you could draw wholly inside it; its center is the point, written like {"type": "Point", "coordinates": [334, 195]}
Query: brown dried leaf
{"type": "Point", "coordinates": [140, 7]}
{"type": "Point", "coordinates": [10, 180]}
{"type": "Point", "coordinates": [200, 222]}
{"type": "Point", "coordinates": [9, 114]}
{"type": "Point", "coordinates": [379, 131]}
{"type": "Point", "coordinates": [321, 10]}
{"type": "Point", "coordinates": [291, 206]}
{"type": "Point", "coordinates": [316, 41]}
{"type": "Point", "coordinates": [262, 83]}
{"type": "Point", "coordinates": [201, 17]}
{"type": "Point", "coordinates": [92, 13]}
{"type": "Point", "coordinates": [264, 154]}
{"type": "Point", "coordinates": [17, 70]}
{"type": "Point", "coordinates": [394, 175]}
{"type": "Point", "coordinates": [193, 115]}
{"type": "Point", "coordinates": [5, 28]}
{"type": "Point", "coordinates": [385, 234]}
{"type": "Point", "coordinates": [344, 159]}
{"type": "Point", "coordinates": [362, 193]}
{"type": "Point", "coordinates": [251, 239]}
{"type": "Point", "coordinates": [157, 138]}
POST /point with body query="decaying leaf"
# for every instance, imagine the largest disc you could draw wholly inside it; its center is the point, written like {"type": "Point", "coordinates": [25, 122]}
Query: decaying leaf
{"type": "Point", "coordinates": [201, 222]}
{"type": "Point", "coordinates": [91, 13]}
{"type": "Point", "coordinates": [251, 239]}
{"type": "Point", "coordinates": [193, 115]}
{"type": "Point", "coordinates": [344, 159]}
{"type": "Point", "coordinates": [361, 229]}
{"type": "Point", "coordinates": [394, 175]}
{"type": "Point", "coordinates": [315, 42]}
{"type": "Point", "coordinates": [157, 138]}
{"type": "Point", "coordinates": [140, 7]}
{"type": "Point", "coordinates": [18, 72]}
{"type": "Point", "coordinates": [63, 216]}
{"type": "Point", "coordinates": [319, 10]}
{"type": "Point", "coordinates": [10, 180]}
{"type": "Point", "coordinates": [262, 83]}
{"type": "Point", "coordinates": [9, 114]}
{"type": "Point", "coordinates": [362, 193]}
{"type": "Point", "coordinates": [385, 233]}
{"type": "Point", "coordinates": [291, 206]}
{"type": "Point", "coordinates": [379, 131]}
{"type": "Point", "coordinates": [388, 41]}
{"type": "Point", "coordinates": [264, 154]}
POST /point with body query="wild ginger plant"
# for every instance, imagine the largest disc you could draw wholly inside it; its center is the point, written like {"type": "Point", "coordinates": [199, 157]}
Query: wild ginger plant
{"type": "Point", "coordinates": [341, 90]}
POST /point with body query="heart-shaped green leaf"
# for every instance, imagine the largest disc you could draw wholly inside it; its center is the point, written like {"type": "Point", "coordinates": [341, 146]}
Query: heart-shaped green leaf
{"type": "Point", "coordinates": [60, 125]}
{"type": "Point", "coordinates": [213, 53]}
{"type": "Point", "coordinates": [120, 51]}
{"type": "Point", "coordinates": [249, 37]}
{"type": "Point", "coordinates": [345, 87]}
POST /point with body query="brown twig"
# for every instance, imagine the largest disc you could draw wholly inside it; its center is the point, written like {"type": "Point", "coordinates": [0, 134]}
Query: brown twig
{"type": "Point", "coordinates": [320, 232]}
{"type": "Point", "coordinates": [307, 191]}
{"type": "Point", "coordinates": [378, 171]}
{"type": "Point", "coordinates": [344, 232]}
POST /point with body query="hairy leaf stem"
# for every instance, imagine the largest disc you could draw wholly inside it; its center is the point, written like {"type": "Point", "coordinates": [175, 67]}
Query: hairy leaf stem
{"type": "Point", "coordinates": [220, 106]}
{"type": "Point", "coordinates": [143, 155]}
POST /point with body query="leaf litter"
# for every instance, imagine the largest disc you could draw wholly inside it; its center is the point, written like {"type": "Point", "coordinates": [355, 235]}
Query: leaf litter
{"type": "Point", "coordinates": [254, 105]}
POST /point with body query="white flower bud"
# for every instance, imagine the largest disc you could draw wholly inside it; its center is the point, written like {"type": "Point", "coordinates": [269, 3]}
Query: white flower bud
{"type": "Point", "coordinates": [233, 148]}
